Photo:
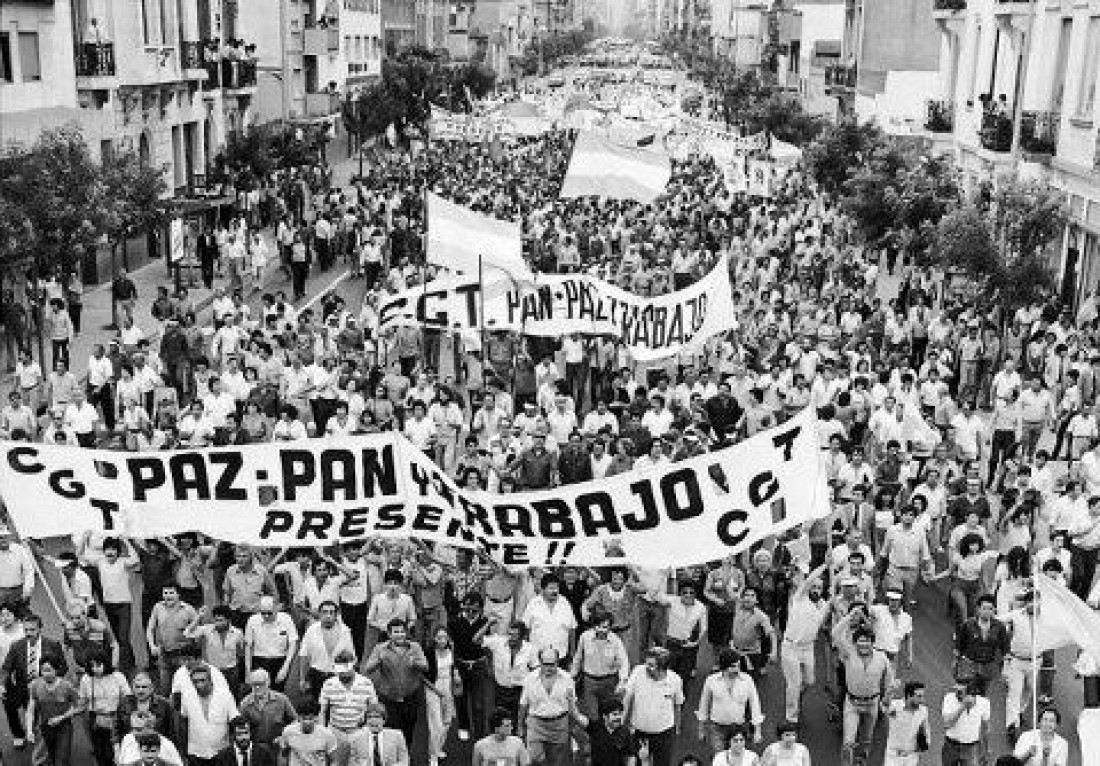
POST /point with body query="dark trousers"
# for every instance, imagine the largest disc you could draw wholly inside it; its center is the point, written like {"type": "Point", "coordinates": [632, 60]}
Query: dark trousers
{"type": "Point", "coordinates": [316, 680]}
{"type": "Point", "coordinates": [958, 754]}
{"type": "Point", "coordinates": [507, 697]}
{"type": "Point", "coordinates": [402, 714]}
{"type": "Point", "coordinates": [104, 398]}
{"type": "Point", "coordinates": [55, 745]}
{"type": "Point", "coordinates": [682, 659]}
{"type": "Point", "coordinates": [355, 617]}
{"type": "Point", "coordinates": [15, 701]}
{"type": "Point", "coordinates": [75, 310]}
{"type": "Point", "coordinates": [471, 709]}
{"type": "Point", "coordinates": [1000, 448]}
{"type": "Point", "coordinates": [272, 665]}
{"type": "Point", "coordinates": [299, 270]}
{"type": "Point", "coordinates": [192, 596]}
{"type": "Point", "coordinates": [660, 746]}
{"type": "Point", "coordinates": [102, 746]}
{"type": "Point", "coordinates": [1092, 691]}
{"type": "Point", "coordinates": [120, 618]}
{"type": "Point", "coordinates": [206, 266]}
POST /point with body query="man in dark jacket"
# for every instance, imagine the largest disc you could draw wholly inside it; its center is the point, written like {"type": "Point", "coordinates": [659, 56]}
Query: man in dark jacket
{"type": "Point", "coordinates": [175, 355]}
{"type": "Point", "coordinates": [574, 461]}
{"type": "Point", "coordinates": [21, 666]}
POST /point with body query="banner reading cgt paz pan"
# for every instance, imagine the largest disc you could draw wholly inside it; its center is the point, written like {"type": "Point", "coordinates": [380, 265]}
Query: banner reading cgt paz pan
{"type": "Point", "coordinates": [555, 305]}
{"type": "Point", "coordinates": [322, 491]}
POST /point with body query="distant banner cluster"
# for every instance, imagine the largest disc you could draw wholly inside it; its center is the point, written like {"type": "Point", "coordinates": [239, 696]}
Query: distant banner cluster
{"type": "Point", "coordinates": [556, 305]}
{"type": "Point", "coordinates": [322, 491]}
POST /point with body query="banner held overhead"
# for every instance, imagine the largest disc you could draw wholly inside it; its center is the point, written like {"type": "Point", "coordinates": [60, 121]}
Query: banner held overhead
{"type": "Point", "coordinates": [321, 491]}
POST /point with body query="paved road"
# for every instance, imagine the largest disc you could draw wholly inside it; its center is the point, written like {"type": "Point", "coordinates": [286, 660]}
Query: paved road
{"type": "Point", "coordinates": [932, 661]}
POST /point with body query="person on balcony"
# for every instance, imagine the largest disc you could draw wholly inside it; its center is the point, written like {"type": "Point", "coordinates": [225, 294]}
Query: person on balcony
{"type": "Point", "coordinates": [95, 48]}
{"type": "Point", "coordinates": [210, 60]}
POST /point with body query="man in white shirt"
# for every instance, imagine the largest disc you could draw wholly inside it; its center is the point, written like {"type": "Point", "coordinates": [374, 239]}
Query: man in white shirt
{"type": "Point", "coordinates": [966, 723]}
{"type": "Point", "coordinates": [657, 419]}
{"type": "Point", "coordinates": [600, 419]}
{"type": "Point", "coordinates": [205, 714]}
{"type": "Point", "coordinates": [101, 373]}
{"type": "Point", "coordinates": [653, 700]}
{"type": "Point", "coordinates": [82, 418]}
{"type": "Point", "coordinates": [324, 641]}
{"type": "Point", "coordinates": [549, 617]}
{"type": "Point", "coordinates": [893, 628]}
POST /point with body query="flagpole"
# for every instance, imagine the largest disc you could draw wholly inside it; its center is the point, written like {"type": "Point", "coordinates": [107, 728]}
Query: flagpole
{"type": "Point", "coordinates": [1035, 659]}
{"type": "Point", "coordinates": [481, 319]}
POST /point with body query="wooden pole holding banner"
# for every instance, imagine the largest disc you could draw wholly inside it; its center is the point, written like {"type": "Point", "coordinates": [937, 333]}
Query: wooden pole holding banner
{"type": "Point", "coordinates": [1035, 659]}
{"type": "Point", "coordinates": [481, 319]}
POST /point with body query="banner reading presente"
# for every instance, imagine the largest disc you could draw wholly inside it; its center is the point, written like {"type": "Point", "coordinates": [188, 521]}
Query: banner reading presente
{"type": "Point", "coordinates": [320, 491]}
{"type": "Point", "coordinates": [555, 305]}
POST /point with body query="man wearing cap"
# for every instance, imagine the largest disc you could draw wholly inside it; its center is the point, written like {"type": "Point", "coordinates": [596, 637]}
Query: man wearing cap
{"type": "Point", "coordinates": [270, 642]}
{"type": "Point", "coordinates": [16, 572]}
{"type": "Point", "coordinates": [345, 698]}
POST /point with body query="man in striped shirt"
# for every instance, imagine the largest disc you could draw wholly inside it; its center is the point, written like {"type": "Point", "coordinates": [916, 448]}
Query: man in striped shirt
{"type": "Point", "coordinates": [345, 698]}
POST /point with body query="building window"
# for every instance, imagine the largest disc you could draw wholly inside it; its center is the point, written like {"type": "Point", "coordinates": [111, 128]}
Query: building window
{"type": "Point", "coordinates": [347, 46]}
{"type": "Point", "coordinates": [1086, 98]}
{"type": "Point", "coordinates": [29, 61]}
{"type": "Point", "coordinates": [6, 74]}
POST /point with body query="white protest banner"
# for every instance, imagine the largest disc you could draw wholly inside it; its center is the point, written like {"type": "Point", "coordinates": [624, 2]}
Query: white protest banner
{"type": "Point", "coordinates": [556, 304]}
{"type": "Point", "coordinates": [464, 241]}
{"type": "Point", "coordinates": [448, 126]}
{"type": "Point", "coordinates": [321, 491]}
{"type": "Point", "coordinates": [601, 168]}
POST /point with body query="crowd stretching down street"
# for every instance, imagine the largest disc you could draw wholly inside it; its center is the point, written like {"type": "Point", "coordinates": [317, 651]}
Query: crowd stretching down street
{"type": "Point", "coordinates": [960, 444]}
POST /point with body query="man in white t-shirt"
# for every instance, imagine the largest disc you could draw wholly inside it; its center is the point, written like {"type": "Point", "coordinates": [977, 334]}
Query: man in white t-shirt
{"type": "Point", "coordinates": [893, 628]}
{"type": "Point", "coordinates": [206, 711]}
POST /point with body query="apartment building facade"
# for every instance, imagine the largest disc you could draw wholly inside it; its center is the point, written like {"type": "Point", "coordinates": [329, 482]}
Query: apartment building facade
{"type": "Point", "coordinates": [1017, 95]}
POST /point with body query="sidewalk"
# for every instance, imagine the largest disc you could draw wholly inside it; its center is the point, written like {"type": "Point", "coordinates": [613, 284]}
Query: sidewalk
{"type": "Point", "coordinates": [97, 316]}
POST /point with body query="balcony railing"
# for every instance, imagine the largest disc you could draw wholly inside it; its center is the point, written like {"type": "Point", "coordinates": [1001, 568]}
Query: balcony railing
{"type": "Point", "coordinates": [191, 54]}
{"type": "Point", "coordinates": [840, 76]}
{"type": "Point", "coordinates": [939, 116]}
{"type": "Point", "coordinates": [1039, 132]}
{"type": "Point", "coordinates": [948, 5]}
{"type": "Point", "coordinates": [996, 132]}
{"type": "Point", "coordinates": [95, 60]}
{"type": "Point", "coordinates": [238, 74]}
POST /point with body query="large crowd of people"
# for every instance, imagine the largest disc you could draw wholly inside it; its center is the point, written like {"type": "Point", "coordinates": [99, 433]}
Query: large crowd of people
{"type": "Point", "coordinates": [934, 416]}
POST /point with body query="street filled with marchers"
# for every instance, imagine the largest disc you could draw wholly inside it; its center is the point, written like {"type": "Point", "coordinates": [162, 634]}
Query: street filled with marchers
{"type": "Point", "coordinates": [647, 453]}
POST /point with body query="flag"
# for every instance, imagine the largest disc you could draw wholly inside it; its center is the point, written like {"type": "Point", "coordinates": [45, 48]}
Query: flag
{"type": "Point", "coordinates": [1064, 619]}
{"type": "Point", "coordinates": [600, 168]}
{"type": "Point", "coordinates": [458, 237]}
